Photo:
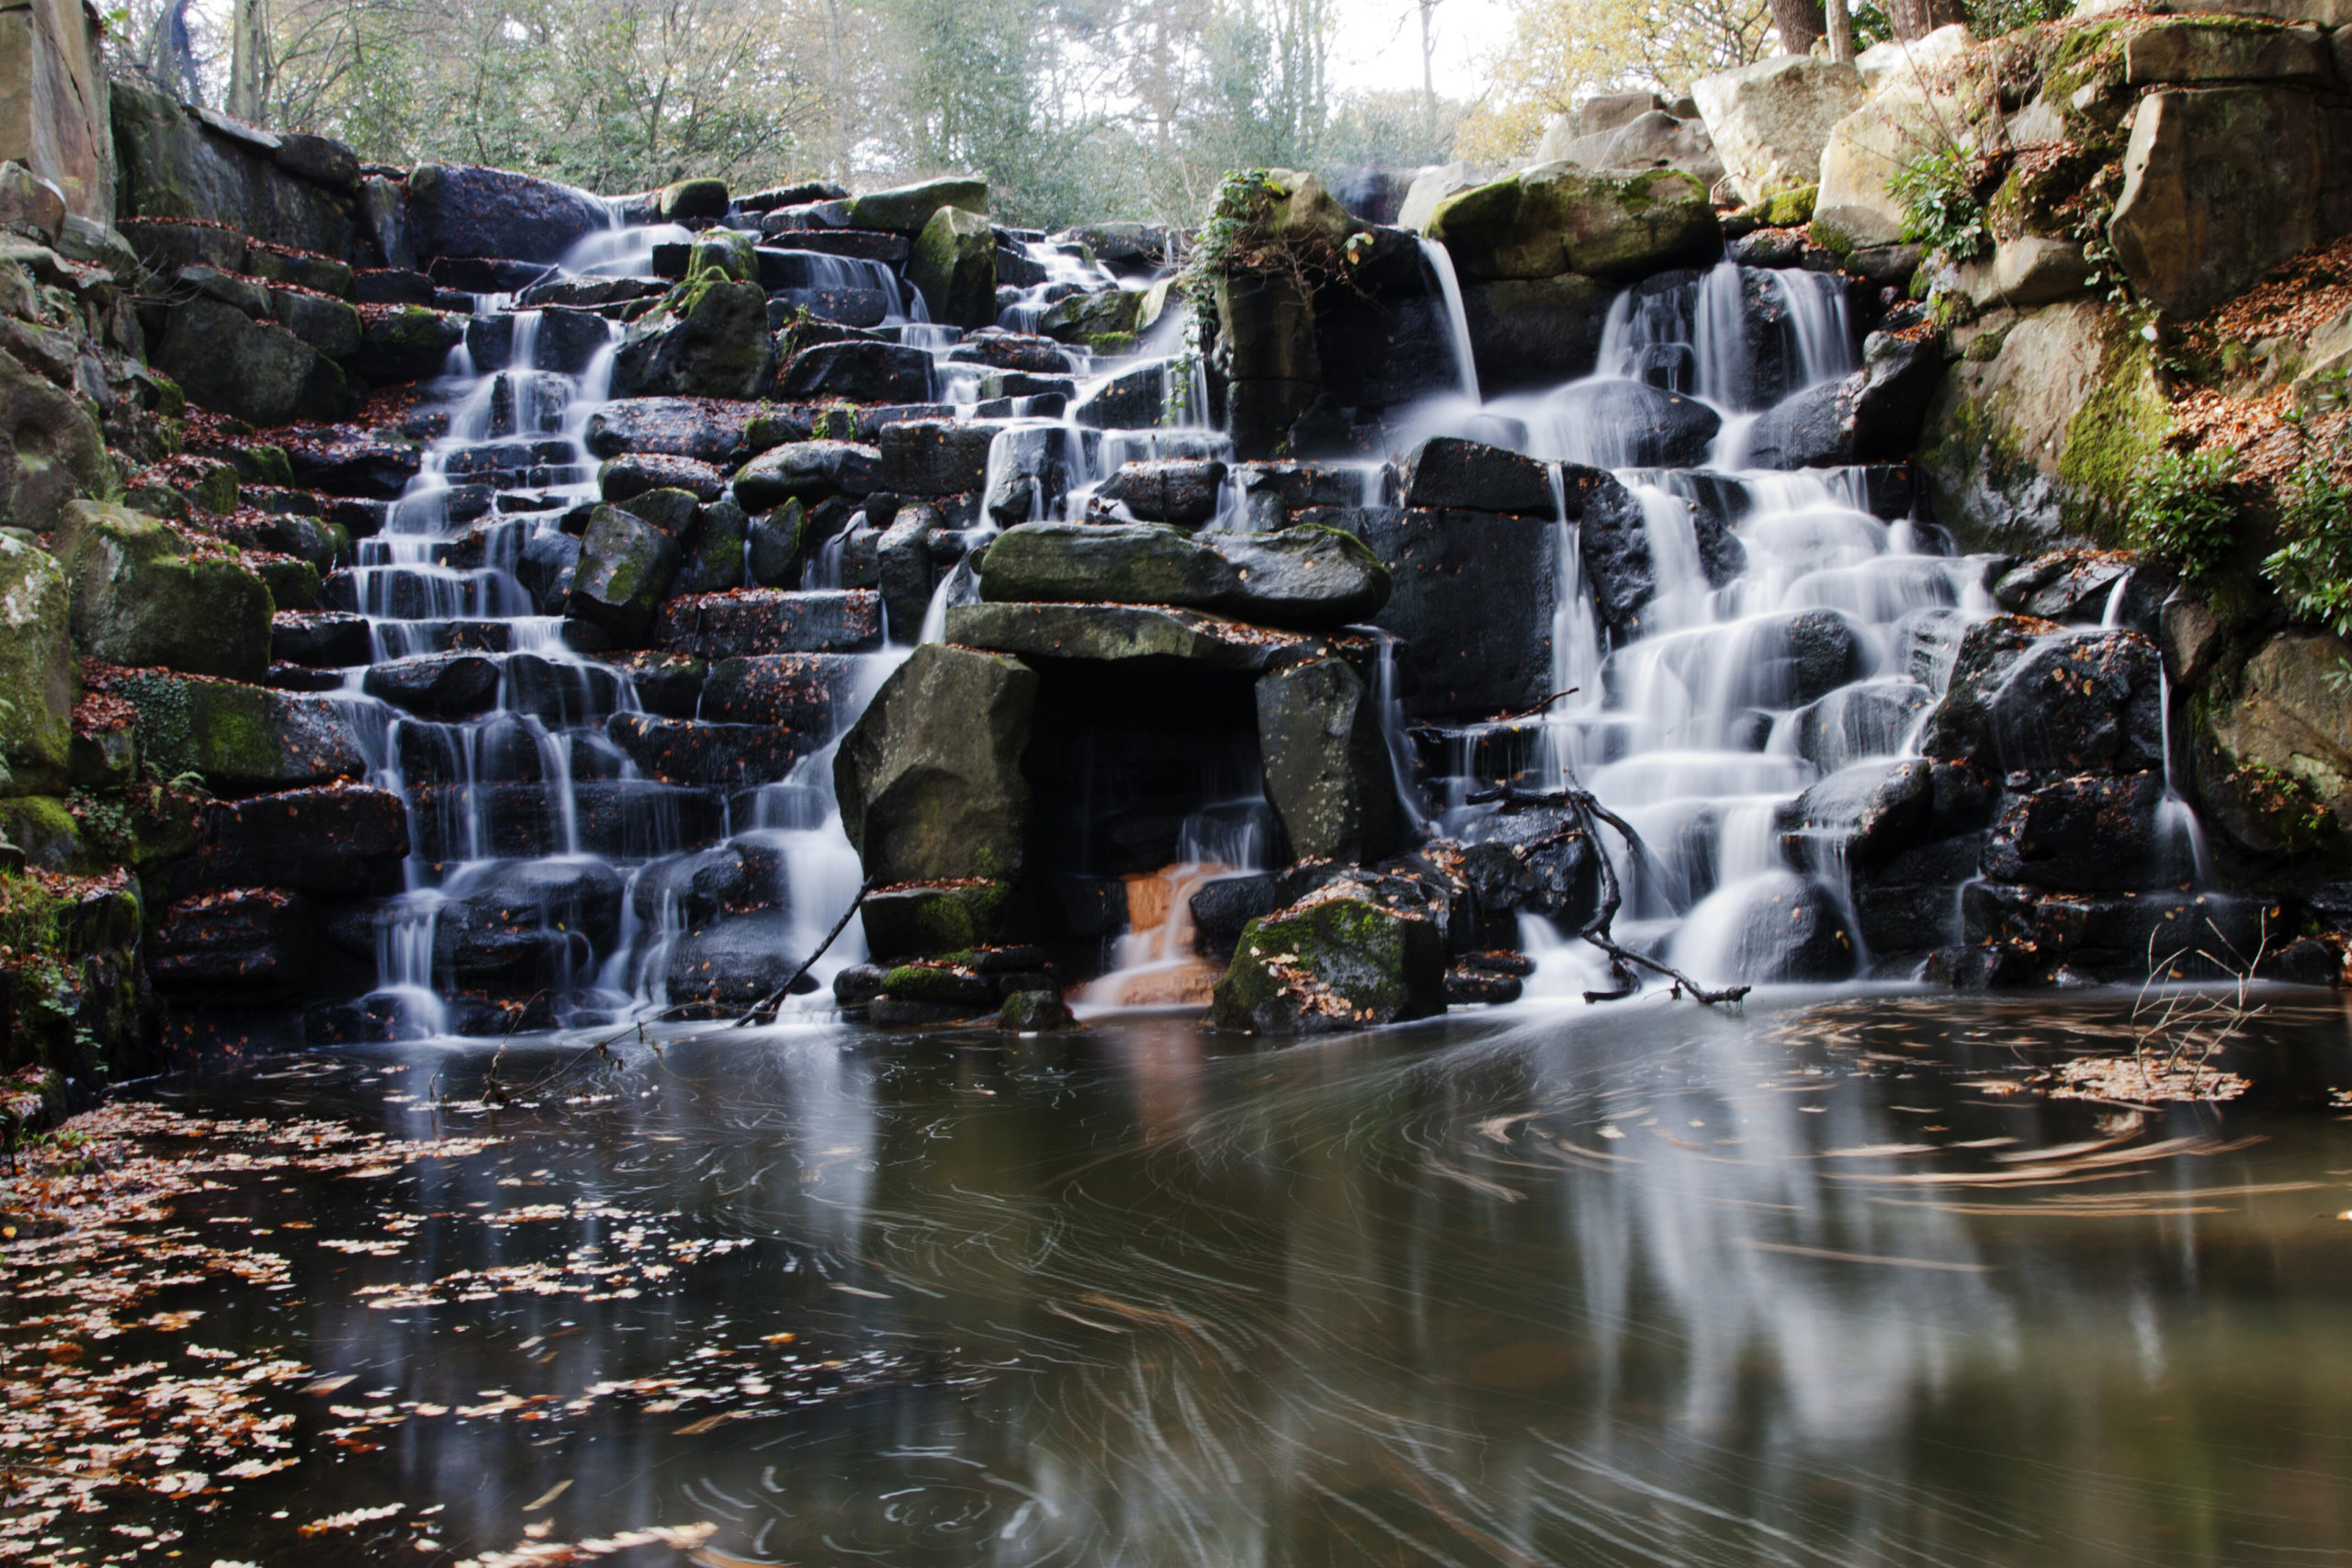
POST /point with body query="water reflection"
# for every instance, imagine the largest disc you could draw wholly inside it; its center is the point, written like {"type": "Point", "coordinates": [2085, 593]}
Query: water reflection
{"type": "Point", "coordinates": [1816, 1284]}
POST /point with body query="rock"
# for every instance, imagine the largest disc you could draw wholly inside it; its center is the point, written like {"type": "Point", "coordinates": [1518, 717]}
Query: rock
{"type": "Point", "coordinates": [548, 563]}
{"type": "Point", "coordinates": [329, 326]}
{"type": "Point", "coordinates": [953, 917]}
{"type": "Point", "coordinates": [316, 274]}
{"type": "Point", "coordinates": [2025, 272]}
{"type": "Point", "coordinates": [907, 209]}
{"type": "Point", "coordinates": [1961, 730]}
{"type": "Point", "coordinates": [458, 209]}
{"type": "Point", "coordinates": [406, 343]}
{"type": "Point", "coordinates": [858, 373]}
{"type": "Point", "coordinates": [31, 205]}
{"type": "Point", "coordinates": [775, 544]}
{"type": "Point", "coordinates": [239, 738]}
{"type": "Point", "coordinates": [1890, 400]}
{"type": "Point", "coordinates": [1120, 632]}
{"type": "Point", "coordinates": [1472, 606]}
{"type": "Point", "coordinates": [1652, 139]}
{"type": "Point", "coordinates": [632, 477]}
{"type": "Point", "coordinates": [797, 692]}
{"type": "Point", "coordinates": [2222, 185]}
{"type": "Point", "coordinates": [225, 361]}
{"type": "Point", "coordinates": [346, 840]}
{"type": "Point", "coordinates": [719, 348]}
{"type": "Point", "coordinates": [37, 674]}
{"type": "Point", "coordinates": [1533, 856]}
{"type": "Point", "coordinates": [761, 620]}
{"type": "Point", "coordinates": [2083, 834]}
{"type": "Point", "coordinates": [139, 601]}
{"type": "Point", "coordinates": [1082, 318]}
{"type": "Point", "coordinates": [711, 559]}
{"type": "Point", "coordinates": [687, 199]}
{"type": "Point", "coordinates": [1221, 908]}
{"type": "Point", "coordinates": [1132, 401]}
{"type": "Point", "coordinates": [1778, 929]}
{"type": "Point", "coordinates": [953, 265]}
{"type": "Point", "coordinates": [171, 161]}
{"type": "Point", "coordinates": [2192, 640]}
{"type": "Point", "coordinates": [1634, 424]}
{"type": "Point", "coordinates": [1534, 333]}
{"type": "Point", "coordinates": [1337, 960]}
{"type": "Point", "coordinates": [2080, 703]}
{"type": "Point", "coordinates": [929, 778]}
{"type": "Point", "coordinates": [1429, 190]}
{"type": "Point", "coordinates": [249, 942]}
{"type": "Point", "coordinates": [1614, 544]}
{"type": "Point", "coordinates": [1326, 770]}
{"type": "Point", "coordinates": [1034, 1013]}
{"type": "Point", "coordinates": [1303, 576]}
{"type": "Point", "coordinates": [936, 457]}
{"type": "Point", "coordinates": [529, 923]}
{"type": "Point", "coordinates": [700, 428]}
{"type": "Point", "coordinates": [2037, 433]}
{"type": "Point", "coordinates": [1854, 209]}
{"type": "Point", "coordinates": [2063, 585]}
{"type": "Point", "coordinates": [1179, 491]}
{"type": "Point", "coordinates": [1772, 121]}
{"type": "Point", "coordinates": [806, 472]}
{"type": "Point", "coordinates": [1871, 811]}
{"type": "Point", "coordinates": [1812, 429]}
{"type": "Point", "coordinates": [1448, 472]}
{"type": "Point", "coordinates": [51, 450]}
{"type": "Point", "coordinates": [728, 757]}
{"type": "Point", "coordinates": [439, 685]}
{"type": "Point", "coordinates": [623, 569]}
{"type": "Point", "coordinates": [566, 342]}
{"type": "Point", "coordinates": [1557, 217]}
{"type": "Point", "coordinates": [2274, 755]}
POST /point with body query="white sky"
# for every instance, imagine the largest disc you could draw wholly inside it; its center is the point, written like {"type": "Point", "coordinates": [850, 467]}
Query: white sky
{"type": "Point", "coordinates": [1379, 44]}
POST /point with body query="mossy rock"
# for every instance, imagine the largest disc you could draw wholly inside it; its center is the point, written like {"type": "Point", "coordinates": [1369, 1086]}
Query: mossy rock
{"type": "Point", "coordinates": [238, 737]}
{"type": "Point", "coordinates": [138, 600]}
{"type": "Point", "coordinates": [1784, 209]}
{"type": "Point", "coordinates": [925, 919]}
{"type": "Point", "coordinates": [42, 826]}
{"type": "Point", "coordinates": [906, 209]}
{"type": "Point", "coordinates": [1561, 218]}
{"type": "Point", "coordinates": [1328, 964]}
{"type": "Point", "coordinates": [954, 264]}
{"type": "Point", "coordinates": [691, 198]}
{"type": "Point", "coordinates": [36, 682]}
{"type": "Point", "coordinates": [1083, 317]}
{"type": "Point", "coordinates": [929, 778]}
{"type": "Point", "coordinates": [51, 450]}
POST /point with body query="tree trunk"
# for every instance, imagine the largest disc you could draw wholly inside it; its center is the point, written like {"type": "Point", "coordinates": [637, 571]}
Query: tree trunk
{"type": "Point", "coordinates": [248, 63]}
{"type": "Point", "coordinates": [1800, 24]}
{"type": "Point", "coordinates": [1841, 31]}
{"type": "Point", "coordinates": [1916, 19]}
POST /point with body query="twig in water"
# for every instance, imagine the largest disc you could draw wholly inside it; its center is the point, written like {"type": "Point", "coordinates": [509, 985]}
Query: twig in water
{"type": "Point", "coordinates": [764, 1012]}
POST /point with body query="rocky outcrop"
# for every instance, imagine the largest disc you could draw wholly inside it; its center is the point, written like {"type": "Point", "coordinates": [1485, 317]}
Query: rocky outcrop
{"type": "Point", "coordinates": [1770, 121]}
{"type": "Point", "coordinates": [1558, 218]}
{"type": "Point", "coordinates": [929, 778]}
{"type": "Point", "coordinates": [142, 597]}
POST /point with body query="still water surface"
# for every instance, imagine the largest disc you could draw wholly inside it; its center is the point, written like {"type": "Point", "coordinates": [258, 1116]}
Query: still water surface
{"type": "Point", "coordinates": [1823, 1281]}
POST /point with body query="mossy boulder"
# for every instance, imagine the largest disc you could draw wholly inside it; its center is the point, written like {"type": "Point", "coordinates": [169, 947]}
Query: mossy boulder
{"type": "Point", "coordinates": [45, 830]}
{"type": "Point", "coordinates": [1086, 318]}
{"type": "Point", "coordinates": [1558, 218]}
{"type": "Point", "coordinates": [51, 450]}
{"type": "Point", "coordinates": [461, 209]}
{"type": "Point", "coordinates": [936, 917]}
{"type": "Point", "coordinates": [406, 343]}
{"type": "Point", "coordinates": [624, 569]}
{"type": "Point", "coordinates": [687, 199]}
{"type": "Point", "coordinates": [239, 738]}
{"type": "Point", "coordinates": [261, 372]}
{"type": "Point", "coordinates": [139, 599]}
{"type": "Point", "coordinates": [929, 778]}
{"type": "Point", "coordinates": [954, 264]}
{"type": "Point", "coordinates": [905, 210]}
{"type": "Point", "coordinates": [2038, 429]}
{"type": "Point", "coordinates": [37, 686]}
{"type": "Point", "coordinates": [712, 341]}
{"type": "Point", "coordinates": [1326, 770]}
{"type": "Point", "coordinates": [1336, 959]}
{"type": "Point", "coordinates": [2273, 750]}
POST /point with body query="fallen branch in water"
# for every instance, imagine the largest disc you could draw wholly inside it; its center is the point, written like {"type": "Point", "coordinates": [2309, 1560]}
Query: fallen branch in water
{"type": "Point", "coordinates": [763, 1012]}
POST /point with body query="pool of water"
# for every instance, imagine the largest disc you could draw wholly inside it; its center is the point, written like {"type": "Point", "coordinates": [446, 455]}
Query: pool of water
{"type": "Point", "coordinates": [1833, 1279]}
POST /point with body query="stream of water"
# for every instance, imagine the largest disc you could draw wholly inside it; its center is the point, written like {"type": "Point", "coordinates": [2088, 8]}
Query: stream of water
{"type": "Point", "coordinates": [1829, 1281]}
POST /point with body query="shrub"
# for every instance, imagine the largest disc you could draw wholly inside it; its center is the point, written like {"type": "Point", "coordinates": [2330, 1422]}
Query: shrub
{"type": "Point", "coordinates": [1938, 189]}
{"type": "Point", "coordinates": [2180, 510]}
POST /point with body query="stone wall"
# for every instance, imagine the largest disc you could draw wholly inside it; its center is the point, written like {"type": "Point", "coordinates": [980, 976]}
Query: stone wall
{"type": "Point", "coordinates": [53, 100]}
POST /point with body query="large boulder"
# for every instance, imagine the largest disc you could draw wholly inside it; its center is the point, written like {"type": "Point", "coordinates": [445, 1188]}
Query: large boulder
{"type": "Point", "coordinates": [1652, 139]}
{"type": "Point", "coordinates": [716, 345]}
{"type": "Point", "coordinates": [171, 162]}
{"type": "Point", "coordinates": [929, 778]}
{"type": "Point", "coordinates": [2274, 745]}
{"type": "Point", "coordinates": [1304, 576]}
{"type": "Point", "coordinates": [906, 209]}
{"type": "Point", "coordinates": [1771, 119]}
{"type": "Point", "coordinates": [459, 210]}
{"type": "Point", "coordinates": [807, 472]}
{"type": "Point", "coordinates": [1340, 958]}
{"type": "Point", "coordinates": [406, 343]}
{"type": "Point", "coordinates": [344, 840]}
{"type": "Point", "coordinates": [2221, 185]}
{"type": "Point", "coordinates": [37, 684]}
{"type": "Point", "coordinates": [624, 570]}
{"type": "Point", "coordinates": [700, 428]}
{"type": "Point", "coordinates": [858, 372]}
{"type": "Point", "coordinates": [226, 361]}
{"type": "Point", "coordinates": [1559, 217]}
{"type": "Point", "coordinates": [2040, 428]}
{"type": "Point", "coordinates": [238, 739]}
{"type": "Point", "coordinates": [1475, 595]}
{"type": "Point", "coordinates": [51, 450]}
{"type": "Point", "coordinates": [1327, 769]}
{"type": "Point", "coordinates": [1531, 332]}
{"type": "Point", "coordinates": [1149, 634]}
{"type": "Point", "coordinates": [140, 600]}
{"type": "Point", "coordinates": [954, 265]}
{"type": "Point", "coordinates": [1961, 728]}
{"type": "Point", "coordinates": [1920, 101]}
{"type": "Point", "coordinates": [2084, 834]}
{"type": "Point", "coordinates": [1614, 543]}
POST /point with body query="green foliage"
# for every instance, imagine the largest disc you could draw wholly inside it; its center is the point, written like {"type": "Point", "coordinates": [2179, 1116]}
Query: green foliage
{"type": "Point", "coordinates": [2312, 570]}
{"type": "Point", "coordinates": [1938, 189]}
{"type": "Point", "coordinates": [1992, 19]}
{"type": "Point", "coordinates": [2179, 510]}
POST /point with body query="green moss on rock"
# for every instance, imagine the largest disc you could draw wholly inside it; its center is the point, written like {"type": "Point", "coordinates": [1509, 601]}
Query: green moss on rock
{"type": "Point", "coordinates": [1331, 963]}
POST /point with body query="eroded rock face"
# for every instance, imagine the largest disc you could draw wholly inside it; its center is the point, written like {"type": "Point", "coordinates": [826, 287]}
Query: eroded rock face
{"type": "Point", "coordinates": [929, 778]}
{"type": "Point", "coordinates": [1770, 121]}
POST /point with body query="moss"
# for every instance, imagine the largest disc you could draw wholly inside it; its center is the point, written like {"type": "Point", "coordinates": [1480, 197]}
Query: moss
{"type": "Point", "coordinates": [293, 584]}
{"type": "Point", "coordinates": [2110, 440]}
{"type": "Point", "coordinates": [1783, 209]}
{"type": "Point", "coordinates": [42, 826]}
{"type": "Point", "coordinates": [1112, 342]}
{"type": "Point", "coordinates": [1836, 240]}
{"type": "Point", "coordinates": [1987, 345]}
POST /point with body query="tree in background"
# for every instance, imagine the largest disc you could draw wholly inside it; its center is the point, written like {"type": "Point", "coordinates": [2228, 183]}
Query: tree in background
{"type": "Point", "coordinates": [1562, 51]}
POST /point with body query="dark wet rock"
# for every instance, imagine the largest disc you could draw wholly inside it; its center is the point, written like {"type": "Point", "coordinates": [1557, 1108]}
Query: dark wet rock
{"type": "Point", "coordinates": [623, 569]}
{"type": "Point", "coordinates": [224, 360]}
{"type": "Point", "coordinates": [1889, 395]}
{"type": "Point", "coordinates": [1533, 856]}
{"type": "Point", "coordinates": [390, 286]}
{"type": "Point", "coordinates": [1327, 771]}
{"type": "Point", "coordinates": [806, 472]}
{"type": "Point", "coordinates": [671, 510]}
{"type": "Point", "coordinates": [2063, 585]}
{"type": "Point", "coordinates": [1116, 632]}
{"type": "Point", "coordinates": [1475, 987]}
{"type": "Point", "coordinates": [253, 942]}
{"type": "Point", "coordinates": [2113, 936]}
{"type": "Point", "coordinates": [1791, 929]}
{"type": "Point", "coordinates": [1472, 604]}
{"type": "Point", "coordinates": [1449, 472]}
{"type": "Point", "coordinates": [1339, 959]}
{"type": "Point", "coordinates": [668, 684]}
{"type": "Point", "coordinates": [935, 918]}
{"type": "Point", "coordinates": [1180, 490]}
{"type": "Point", "coordinates": [1221, 908]}
{"type": "Point", "coordinates": [443, 685]}
{"type": "Point", "coordinates": [563, 341]}
{"type": "Point", "coordinates": [1077, 563]}
{"type": "Point", "coordinates": [802, 693]}
{"type": "Point", "coordinates": [1810, 429]}
{"type": "Point", "coordinates": [1868, 718]}
{"type": "Point", "coordinates": [1036, 1012]}
{"type": "Point", "coordinates": [1527, 333]}
{"type": "Point", "coordinates": [905, 210]}
{"type": "Point", "coordinates": [730, 964]}
{"type": "Point", "coordinates": [1133, 400]}
{"type": "Point", "coordinates": [711, 557]}
{"type": "Point", "coordinates": [1926, 644]}
{"type": "Point", "coordinates": [530, 923]}
{"type": "Point", "coordinates": [546, 569]}
{"type": "Point", "coordinates": [857, 373]}
{"type": "Point", "coordinates": [1872, 811]}
{"type": "Point", "coordinates": [2304, 961]}
{"type": "Point", "coordinates": [2084, 834]}
{"type": "Point", "coordinates": [1613, 540]}
{"type": "Point", "coordinates": [341, 462]}
{"type": "Point", "coordinates": [344, 840]}
{"type": "Point", "coordinates": [953, 266]}
{"type": "Point", "coordinates": [1636, 424]}
{"type": "Point", "coordinates": [704, 429]}
{"type": "Point", "coordinates": [320, 639]}
{"type": "Point", "coordinates": [2079, 702]}
{"type": "Point", "coordinates": [458, 209]}
{"type": "Point", "coordinates": [936, 457]}
{"type": "Point", "coordinates": [719, 348]}
{"type": "Point", "coordinates": [775, 541]}
{"type": "Point", "coordinates": [406, 343]}
{"type": "Point", "coordinates": [929, 778]}
{"type": "Point", "coordinates": [715, 756]}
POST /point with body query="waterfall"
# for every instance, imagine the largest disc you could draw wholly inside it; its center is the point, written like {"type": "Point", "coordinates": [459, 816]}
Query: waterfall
{"type": "Point", "coordinates": [1449, 286]}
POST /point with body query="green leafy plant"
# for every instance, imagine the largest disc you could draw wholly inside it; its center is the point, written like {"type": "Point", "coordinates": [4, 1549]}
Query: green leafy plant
{"type": "Point", "coordinates": [2180, 510]}
{"type": "Point", "coordinates": [2312, 570]}
{"type": "Point", "coordinates": [1936, 187]}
